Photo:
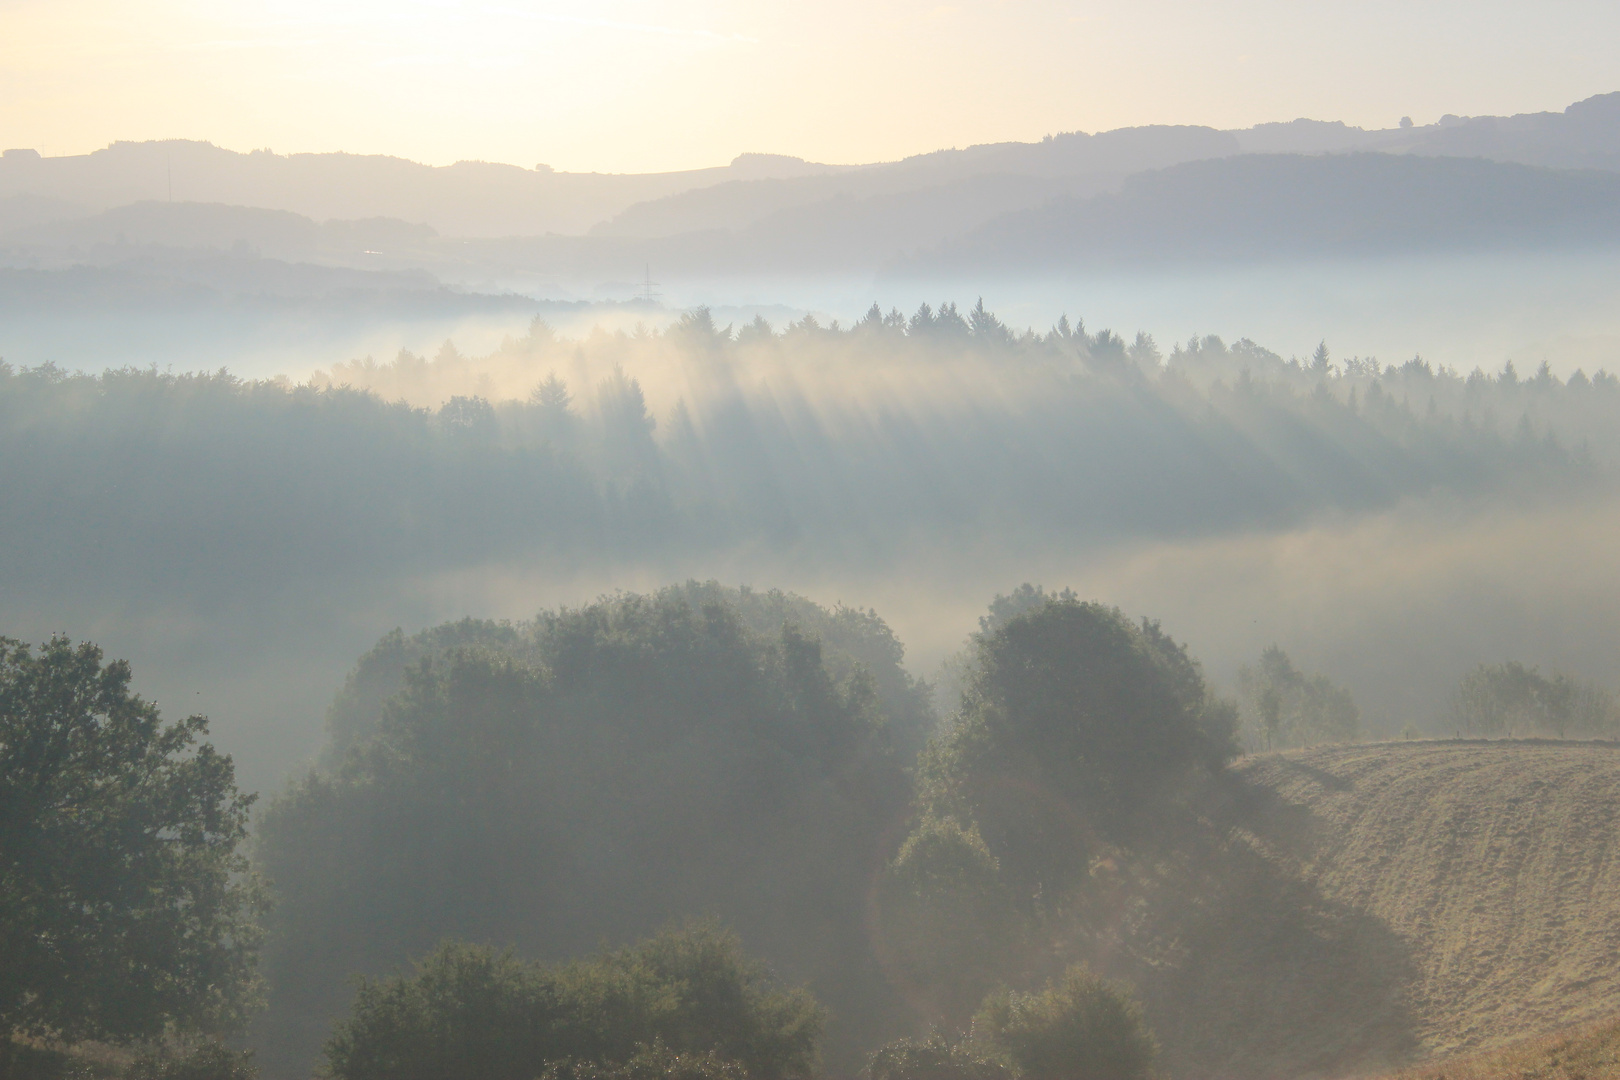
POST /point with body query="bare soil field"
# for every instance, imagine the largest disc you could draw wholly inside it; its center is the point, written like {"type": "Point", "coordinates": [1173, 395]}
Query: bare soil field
{"type": "Point", "coordinates": [1494, 866]}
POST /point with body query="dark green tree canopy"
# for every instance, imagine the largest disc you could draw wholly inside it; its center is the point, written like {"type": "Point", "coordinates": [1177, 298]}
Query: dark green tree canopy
{"type": "Point", "coordinates": [1079, 1027]}
{"type": "Point", "coordinates": [588, 777]}
{"type": "Point", "coordinates": [688, 1000]}
{"type": "Point", "coordinates": [124, 903]}
{"type": "Point", "coordinates": [1096, 696]}
{"type": "Point", "coordinates": [851, 639]}
{"type": "Point", "coordinates": [934, 1059]}
{"type": "Point", "coordinates": [1072, 711]}
{"type": "Point", "coordinates": [1080, 733]}
{"type": "Point", "coordinates": [1511, 698]}
{"type": "Point", "coordinates": [1290, 708]}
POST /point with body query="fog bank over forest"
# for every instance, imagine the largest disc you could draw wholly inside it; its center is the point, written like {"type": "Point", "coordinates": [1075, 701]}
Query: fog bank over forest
{"type": "Point", "coordinates": [243, 541]}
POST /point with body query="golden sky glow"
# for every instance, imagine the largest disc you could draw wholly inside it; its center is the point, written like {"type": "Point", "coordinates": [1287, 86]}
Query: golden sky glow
{"type": "Point", "coordinates": [640, 85]}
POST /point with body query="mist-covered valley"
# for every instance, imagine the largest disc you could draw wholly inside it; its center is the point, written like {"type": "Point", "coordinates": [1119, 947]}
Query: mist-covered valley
{"type": "Point", "coordinates": [1131, 604]}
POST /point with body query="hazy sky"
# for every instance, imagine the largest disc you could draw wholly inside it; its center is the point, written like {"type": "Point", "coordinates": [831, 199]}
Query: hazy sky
{"type": "Point", "coordinates": [636, 85]}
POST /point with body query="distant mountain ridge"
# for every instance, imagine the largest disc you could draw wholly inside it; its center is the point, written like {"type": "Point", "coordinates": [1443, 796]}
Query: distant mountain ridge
{"type": "Point", "coordinates": [113, 235]}
{"type": "Point", "coordinates": [469, 198]}
{"type": "Point", "coordinates": [1586, 135]}
{"type": "Point", "coordinates": [1135, 196]}
{"type": "Point", "coordinates": [483, 199]}
{"type": "Point", "coordinates": [1282, 206]}
{"type": "Point", "coordinates": [1238, 208]}
{"type": "Point", "coordinates": [1074, 160]}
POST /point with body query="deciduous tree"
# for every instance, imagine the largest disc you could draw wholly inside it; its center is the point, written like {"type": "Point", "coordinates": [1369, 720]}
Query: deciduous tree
{"type": "Point", "coordinates": [125, 906]}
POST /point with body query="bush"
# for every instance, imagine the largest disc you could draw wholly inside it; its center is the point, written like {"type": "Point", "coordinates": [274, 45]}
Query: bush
{"type": "Point", "coordinates": [205, 1061]}
{"type": "Point", "coordinates": [655, 1062]}
{"type": "Point", "coordinates": [934, 1059]}
{"type": "Point", "coordinates": [948, 923]}
{"type": "Point", "coordinates": [1080, 1027]}
{"type": "Point", "coordinates": [688, 1001]}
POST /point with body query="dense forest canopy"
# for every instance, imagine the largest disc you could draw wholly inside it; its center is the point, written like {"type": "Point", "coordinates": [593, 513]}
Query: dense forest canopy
{"type": "Point", "coordinates": [851, 443]}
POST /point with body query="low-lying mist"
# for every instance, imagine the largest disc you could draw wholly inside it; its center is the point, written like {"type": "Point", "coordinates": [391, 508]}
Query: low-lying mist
{"type": "Point", "coordinates": [260, 317]}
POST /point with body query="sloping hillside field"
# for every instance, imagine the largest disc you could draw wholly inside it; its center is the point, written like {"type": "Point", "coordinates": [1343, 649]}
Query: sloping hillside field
{"type": "Point", "coordinates": [1496, 865]}
{"type": "Point", "coordinates": [1588, 1052]}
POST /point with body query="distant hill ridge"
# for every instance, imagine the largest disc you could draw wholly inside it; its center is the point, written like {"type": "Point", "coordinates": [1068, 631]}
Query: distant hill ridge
{"type": "Point", "coordinates": [1251, 207]}
{"type": "Point", "coordinates": [486, 199]}
{"type": "Point", "coordinates": [1072, 203]}
{"type": "Point", "coordinates": [468, 198]}
{"type": "Point", "coordinates": [1265, 206]}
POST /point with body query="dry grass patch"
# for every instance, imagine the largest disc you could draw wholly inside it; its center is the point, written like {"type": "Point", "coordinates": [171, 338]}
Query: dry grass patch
{"type": "Point", "coordinates": [1497, 864]}
{"type": "Point", "coordinates": [1591, 1052]}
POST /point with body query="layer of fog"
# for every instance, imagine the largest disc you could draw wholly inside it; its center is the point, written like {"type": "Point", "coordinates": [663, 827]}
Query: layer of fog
{"type": "Point", "coordinates": [1461, 311]}
{"type": "Point", "coordinates": [1397, 606]}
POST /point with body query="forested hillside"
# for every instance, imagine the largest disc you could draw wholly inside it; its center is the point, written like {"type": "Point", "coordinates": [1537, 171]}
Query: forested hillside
{"type": "Point", "coordinates": [946, 425]}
